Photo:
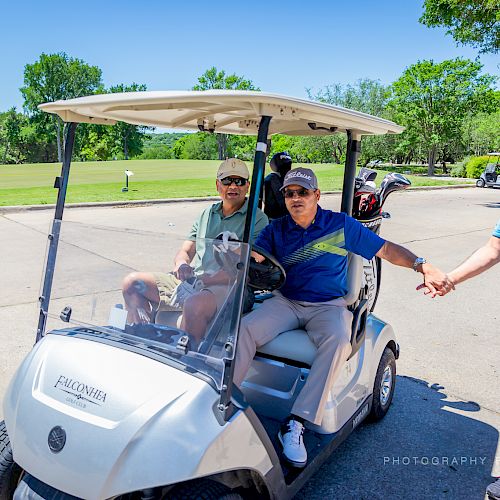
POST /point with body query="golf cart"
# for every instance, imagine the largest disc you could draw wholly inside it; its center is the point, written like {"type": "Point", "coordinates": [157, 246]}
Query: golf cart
{"type": "Point", "coordinates": [491, 175]}
{"type": "Point", "coordinates": [102, 409]}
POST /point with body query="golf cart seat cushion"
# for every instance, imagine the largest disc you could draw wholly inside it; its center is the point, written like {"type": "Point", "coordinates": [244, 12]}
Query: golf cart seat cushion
{"type": "Point", "coordinates": [296, 344]}
{"type": "Point", "coordinates": [292, 344]}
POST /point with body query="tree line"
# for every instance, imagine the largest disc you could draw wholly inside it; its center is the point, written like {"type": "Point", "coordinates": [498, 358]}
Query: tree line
{"type": "Point", "coordinates": [450, 109]}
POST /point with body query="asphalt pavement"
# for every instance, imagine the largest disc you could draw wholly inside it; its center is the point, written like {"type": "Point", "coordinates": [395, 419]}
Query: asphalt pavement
{"type": "Point", "coordinates": [440, 438]}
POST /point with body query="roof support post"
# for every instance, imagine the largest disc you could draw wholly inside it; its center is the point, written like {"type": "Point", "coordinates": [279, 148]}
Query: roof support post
{"type": "Point", "coordinates": [61, 183]}
{"type": "Point", "coordinates": [259, 165]}
{"type": "Point", "coordinates": [353, 150]}
{"type": "Point", "coordinates": [225, 407]}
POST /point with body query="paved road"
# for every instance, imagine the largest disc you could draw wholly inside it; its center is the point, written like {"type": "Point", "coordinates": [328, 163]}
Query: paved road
{"type": "Point", "coordinates": [440, 438]}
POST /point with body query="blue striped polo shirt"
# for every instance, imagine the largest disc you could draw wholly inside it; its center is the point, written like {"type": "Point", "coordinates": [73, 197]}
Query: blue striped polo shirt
{"type": "Point", "coordinates": [315, 259]}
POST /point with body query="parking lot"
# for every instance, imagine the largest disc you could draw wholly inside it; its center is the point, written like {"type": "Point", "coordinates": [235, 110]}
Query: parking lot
{"type": "Point", "coordinates": [441, 437]}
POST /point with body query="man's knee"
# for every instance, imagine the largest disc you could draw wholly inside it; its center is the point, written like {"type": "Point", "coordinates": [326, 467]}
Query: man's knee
{"type": "Point", "coordinates": [135, 283]}
{"type": "Point", "coordinates": [129, 281]}
{"type": "Point", "coordinates": [201, 304]}
{"type": "Point", "coordinates": [337, 342]}
{"type": "Point", "coordinates": [247, 332]}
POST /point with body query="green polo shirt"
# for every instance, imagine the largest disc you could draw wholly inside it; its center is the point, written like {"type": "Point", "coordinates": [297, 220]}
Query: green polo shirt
{"type": "Point", "coordinates": [212, 222]}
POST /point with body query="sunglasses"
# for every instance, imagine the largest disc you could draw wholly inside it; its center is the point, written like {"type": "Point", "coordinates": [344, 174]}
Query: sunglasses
{"type": "Point", "coordinates": [302, 193]}
{"type": "Point", "coordinates": [238, 181]}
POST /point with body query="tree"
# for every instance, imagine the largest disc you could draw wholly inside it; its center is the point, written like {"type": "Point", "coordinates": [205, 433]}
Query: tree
{"type": "Point", "coordinates": [129, 138]}
{"type": "Point", "coordinates": [367, 96]}
{"type": "Point", "coordinates": [214, 79]}
{"type": "Point", "coordinates": [53, 77]}
{"type": "Point", "coordinates": [469, 22]}
{"type": "Point", "coordinates": [198, 146]}
{"type": "Point", "coordinates": [11, 128]}
{"type": "Point", "coordinates": [20, 141]}
{"type": "Point", "coordinates": [432, 100]}
{"type": "Point", "coordinates": [482, 133]}
{"type": "Point", "coordinates": [242, 147]}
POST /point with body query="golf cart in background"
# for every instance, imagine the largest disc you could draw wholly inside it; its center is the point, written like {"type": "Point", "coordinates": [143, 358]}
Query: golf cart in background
{"type": "Point", "coordinates": [374, 163]}
{"type": "Point", "coordinates": [102, 409]}
{"type": "Point", "coordinates": [491, 175]}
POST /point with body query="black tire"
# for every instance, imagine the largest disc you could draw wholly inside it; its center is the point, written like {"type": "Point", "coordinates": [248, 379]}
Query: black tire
{"type": "Point", "coordinates": [203, 489]}
{"type": "Point", "coordinates": [10, 472]}
{"type": "Point", "coordinates": [382, 398]}
{"type": "Point", "coordinates": [480, 183]}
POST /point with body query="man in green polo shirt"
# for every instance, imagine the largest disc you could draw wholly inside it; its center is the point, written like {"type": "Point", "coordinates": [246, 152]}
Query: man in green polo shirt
{"type": "Point", "coordinates": [146, 292]}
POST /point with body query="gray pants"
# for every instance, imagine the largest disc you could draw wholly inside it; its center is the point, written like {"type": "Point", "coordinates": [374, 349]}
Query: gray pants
{"type": "Point", "coordinates": [328, 325]}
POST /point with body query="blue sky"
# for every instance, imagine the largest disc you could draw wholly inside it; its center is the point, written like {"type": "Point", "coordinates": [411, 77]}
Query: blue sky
{"type": "Point", "coordinates": [283, 47]}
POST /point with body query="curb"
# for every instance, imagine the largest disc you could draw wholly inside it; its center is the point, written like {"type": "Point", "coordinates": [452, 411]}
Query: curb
{"type": "Point", "coordinates": [142, 203]}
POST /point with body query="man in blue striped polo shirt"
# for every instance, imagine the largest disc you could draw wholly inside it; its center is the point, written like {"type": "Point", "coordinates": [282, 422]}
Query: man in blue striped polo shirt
{"type": "Point", "coordinates": [312, 245]}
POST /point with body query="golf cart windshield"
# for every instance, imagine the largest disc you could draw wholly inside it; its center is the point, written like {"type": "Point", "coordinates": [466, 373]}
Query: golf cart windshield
{"type": "Point", "coordinates": [87, 295]}
{"type": "Point", "coordinates": [493, 163]}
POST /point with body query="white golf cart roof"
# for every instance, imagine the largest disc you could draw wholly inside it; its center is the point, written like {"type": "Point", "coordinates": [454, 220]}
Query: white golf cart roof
{"type": "Point", "coordinates": [225, 111]}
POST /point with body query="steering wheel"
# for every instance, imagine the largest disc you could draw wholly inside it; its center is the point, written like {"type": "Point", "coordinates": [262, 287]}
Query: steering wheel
{"type": "Point", "coordinates": [266, 275]}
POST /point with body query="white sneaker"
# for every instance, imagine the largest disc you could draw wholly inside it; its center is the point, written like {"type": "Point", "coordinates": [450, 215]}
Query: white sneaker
{"type": "Point", "coordinates": [291, 437]}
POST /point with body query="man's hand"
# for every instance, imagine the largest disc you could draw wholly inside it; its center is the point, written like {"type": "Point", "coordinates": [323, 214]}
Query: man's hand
{"type": "Point", "coordinates": [184, 290]}
{"type": "Point", "coordinates": [257, 257]}
{"type": "Point", "coordinates": [183, 271]}
{"type": "Point", "coordinates": [435, 281]}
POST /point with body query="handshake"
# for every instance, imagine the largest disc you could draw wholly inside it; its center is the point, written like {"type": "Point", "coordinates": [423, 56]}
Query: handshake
{"type": "Point", "coordinates": [435, 281]}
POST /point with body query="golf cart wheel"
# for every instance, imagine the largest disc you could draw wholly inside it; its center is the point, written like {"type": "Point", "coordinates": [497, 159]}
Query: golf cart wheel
{"type": "Point", "coordinates": [10, 472]}
{"type": "Point", "coordinates": [204, 489]}
{"type": "Point", "coordinates": [480, 183]}
{"type": "Point", "coordinates": [383, 389]}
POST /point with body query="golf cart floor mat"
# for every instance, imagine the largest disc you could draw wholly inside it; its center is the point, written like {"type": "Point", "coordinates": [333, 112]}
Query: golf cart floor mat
{"type": "Point", "coordinates": [313, 441]}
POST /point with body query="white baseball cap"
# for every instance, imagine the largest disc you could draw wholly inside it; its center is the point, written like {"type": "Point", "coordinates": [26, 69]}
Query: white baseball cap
{"type": "Point", "coordinates": [233, 166]}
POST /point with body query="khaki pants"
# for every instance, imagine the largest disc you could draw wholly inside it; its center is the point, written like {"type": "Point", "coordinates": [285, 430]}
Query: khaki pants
{"type": "Point", "coordinates": [328, 325]}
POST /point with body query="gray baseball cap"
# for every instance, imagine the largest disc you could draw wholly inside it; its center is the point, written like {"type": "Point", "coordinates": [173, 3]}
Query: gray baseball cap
{"type": "Point", "coordinates": [304, 177]}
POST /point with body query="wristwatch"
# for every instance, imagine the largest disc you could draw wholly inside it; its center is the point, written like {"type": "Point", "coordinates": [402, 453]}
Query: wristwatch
{"type": "Point", "coordinates": [418, 261]}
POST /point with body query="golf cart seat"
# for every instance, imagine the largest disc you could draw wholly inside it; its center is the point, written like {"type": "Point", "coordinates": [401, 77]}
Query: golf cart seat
{"type": "Point", "coordinates": [297, 346]}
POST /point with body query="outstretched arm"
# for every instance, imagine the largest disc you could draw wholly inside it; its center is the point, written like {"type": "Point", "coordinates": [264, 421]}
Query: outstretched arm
{"type": "Point", "coordinates": [481, 260]}
{"type": "Point", "coordinates": [436, 282]}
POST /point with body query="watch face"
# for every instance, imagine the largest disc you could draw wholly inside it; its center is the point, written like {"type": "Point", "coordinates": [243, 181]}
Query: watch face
{"type": "Point", "coordinates": [418, 261]}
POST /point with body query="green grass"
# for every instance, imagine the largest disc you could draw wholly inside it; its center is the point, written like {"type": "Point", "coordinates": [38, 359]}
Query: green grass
{"type": "Point", "coordinates": [32, 184]}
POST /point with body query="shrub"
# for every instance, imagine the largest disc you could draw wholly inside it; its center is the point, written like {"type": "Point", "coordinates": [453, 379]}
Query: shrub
{"type": "Point", "coordinates": [459, 169]}
{"type": "Point", "coordinates": [475, 166]}
{"type": "Point", "coordinates": [158, 152]}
